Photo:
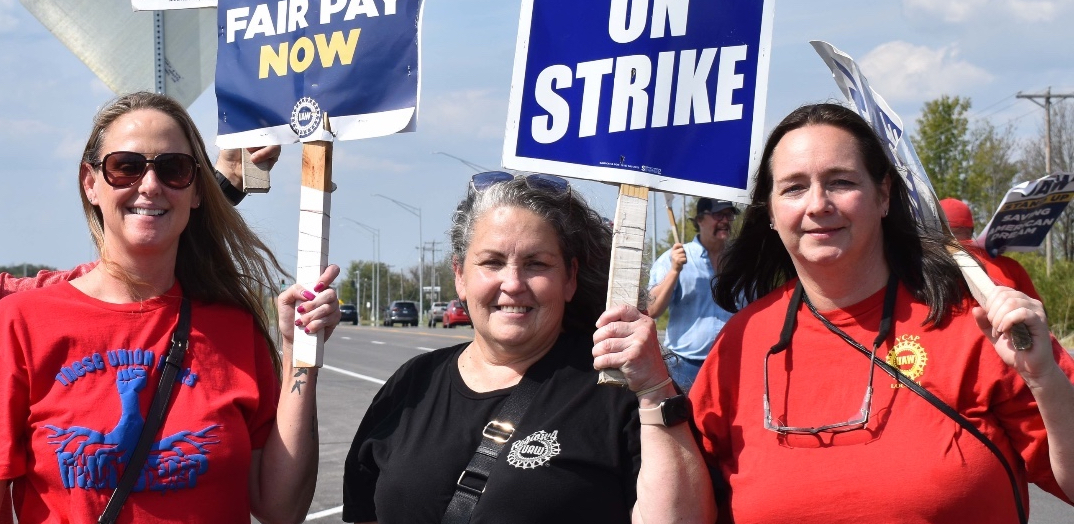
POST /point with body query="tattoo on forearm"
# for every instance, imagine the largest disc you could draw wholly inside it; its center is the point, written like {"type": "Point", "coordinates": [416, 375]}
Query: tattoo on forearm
{"type": "Point", "coordinates": [297, 386]}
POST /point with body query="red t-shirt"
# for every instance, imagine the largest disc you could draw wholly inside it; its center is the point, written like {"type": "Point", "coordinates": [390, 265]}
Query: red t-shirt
{"type": "Point", "coordinates": [10, 284]}
{"type": "Point", "coordinates": [911, 464]}
{"type": "Point", "coordinates": [1004, 271]}
{"type": "Point", "coordinates": [79, 375]}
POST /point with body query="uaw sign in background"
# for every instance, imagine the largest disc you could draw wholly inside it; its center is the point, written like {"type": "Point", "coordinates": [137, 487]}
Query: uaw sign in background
{"type": "Point", "coordinates": [667, 94]}
{"type": "Point", "coordinates": [1027, 213]}
{"type": "Point", "coordinates": [281, 65]}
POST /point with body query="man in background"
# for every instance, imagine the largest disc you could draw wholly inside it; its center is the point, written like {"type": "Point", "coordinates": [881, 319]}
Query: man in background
{"type": "Point", "coordinates": [681, 281]}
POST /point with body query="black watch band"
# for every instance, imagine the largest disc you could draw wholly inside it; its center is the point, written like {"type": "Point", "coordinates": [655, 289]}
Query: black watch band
{"type": "Point", "coordinates": [233, 194]}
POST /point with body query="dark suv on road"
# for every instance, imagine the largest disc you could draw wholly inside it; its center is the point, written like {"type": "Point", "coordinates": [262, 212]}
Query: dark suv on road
{"type": "Point", "coordinates": [348, 313]}
{"type": "Point", "coordinates": [402, 312]}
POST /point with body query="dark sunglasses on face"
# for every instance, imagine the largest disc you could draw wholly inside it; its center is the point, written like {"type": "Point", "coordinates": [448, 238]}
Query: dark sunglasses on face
{"type": "Point", "coordinates": [550, 183]}
{"type": "Point", "coordinates": [126, 168]}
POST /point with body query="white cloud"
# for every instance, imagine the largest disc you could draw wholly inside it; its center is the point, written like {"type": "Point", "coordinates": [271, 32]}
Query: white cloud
{"type": "Point", "coordinates": [962, 11]}
{"type": "Point", "coordinates": [1034, 10]}
{"type": "Point", "coordinates": [901, 71]}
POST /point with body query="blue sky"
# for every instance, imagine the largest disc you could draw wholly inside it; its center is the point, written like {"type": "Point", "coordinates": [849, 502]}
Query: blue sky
{"type": "Point", "coordinates": [911, 50]}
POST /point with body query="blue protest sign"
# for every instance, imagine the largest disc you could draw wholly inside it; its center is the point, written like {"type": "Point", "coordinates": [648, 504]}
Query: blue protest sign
{"type": "Point", "coordinates": [282, 65]}
{"type": "Point", "coordinates": [1026, 214]}
{"type": "Point", "coordinates": [667, 94]}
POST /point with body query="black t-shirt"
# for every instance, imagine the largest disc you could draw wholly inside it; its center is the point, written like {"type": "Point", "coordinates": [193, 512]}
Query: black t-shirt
{"type": "Point", "coordinates": [425, 424]}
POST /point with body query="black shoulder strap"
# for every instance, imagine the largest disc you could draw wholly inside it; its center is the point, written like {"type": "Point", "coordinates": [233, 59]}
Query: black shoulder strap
{"type": "Point", "coordinates": [965, 424]}
{"type": "Point", "coordinates": [494, 437]}
{"type": "Point", "coordinates": [154, 419]}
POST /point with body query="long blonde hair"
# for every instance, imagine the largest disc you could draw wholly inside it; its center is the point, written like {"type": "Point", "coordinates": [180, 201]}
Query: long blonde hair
{"type": "Point", "coordinates": [220, 260]}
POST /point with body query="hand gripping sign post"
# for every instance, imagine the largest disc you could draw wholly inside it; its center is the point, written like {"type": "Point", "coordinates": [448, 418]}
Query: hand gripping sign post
{"type": "Point", "coordinates": [283, 67]}
{"type": "Point", "coordinates": [661, 94]}
{"type": "Point", "coordinates": [872, 107]}
{"type": "Point", "coordinates": [1026, 214]}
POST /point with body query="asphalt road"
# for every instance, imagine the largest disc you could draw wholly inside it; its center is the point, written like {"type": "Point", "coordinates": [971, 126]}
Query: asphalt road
{"type": "Point", "coordinates": [359, 359]}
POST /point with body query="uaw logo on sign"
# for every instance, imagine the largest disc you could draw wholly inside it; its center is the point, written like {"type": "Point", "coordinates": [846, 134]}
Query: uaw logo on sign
{"type": "Point", "coordinates": [908, 357]}
{"type": "Point", "coordinates": [534, 450]}
{"type": "Point", "coordinates": [305, 117]}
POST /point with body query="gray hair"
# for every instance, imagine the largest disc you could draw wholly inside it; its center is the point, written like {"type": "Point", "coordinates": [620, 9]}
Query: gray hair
{"type": "Point", "coordinates": [583, 236]}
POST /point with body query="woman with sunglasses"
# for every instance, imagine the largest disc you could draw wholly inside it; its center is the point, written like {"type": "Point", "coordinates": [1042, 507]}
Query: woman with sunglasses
{"type": "Point", "coordinates": [228, 176]}
{"type": "Point", "coordinates": [82, 358]}
{"type": "Point", "coordinates": [513, 426]}
{"type": "Point", "coordinates": [841, 281]}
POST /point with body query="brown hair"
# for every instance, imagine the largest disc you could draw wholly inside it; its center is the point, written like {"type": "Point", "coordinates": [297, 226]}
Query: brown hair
{"type": "Point", "coordinates": [220, 260]}
{"type": "Point", "coordinates": [757, 262]}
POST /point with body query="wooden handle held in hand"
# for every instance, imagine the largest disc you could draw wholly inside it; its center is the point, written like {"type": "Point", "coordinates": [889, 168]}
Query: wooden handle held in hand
{"type": "Point", "coordinates": [981, 286]}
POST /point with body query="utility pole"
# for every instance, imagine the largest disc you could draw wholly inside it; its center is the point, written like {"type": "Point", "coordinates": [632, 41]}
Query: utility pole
{"type": "Point", "coordinates": [416, 211]}
{"type": "Point", "coordinates": [436, 271]}
{"type": "Point", "coordinates": [1047, 96]}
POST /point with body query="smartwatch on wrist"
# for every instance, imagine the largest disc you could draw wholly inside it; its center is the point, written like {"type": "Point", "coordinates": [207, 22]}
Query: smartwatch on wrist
{"type": "Point", "coordinates": [671, 411]}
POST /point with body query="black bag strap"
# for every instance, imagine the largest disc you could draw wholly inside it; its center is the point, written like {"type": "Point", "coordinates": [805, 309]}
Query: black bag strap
{"type": "Point", "coordinates": [966, 425]}
{"type": "Point", "coordinates": [154, 419]}
{"type": "Point", "coordinates": [494, 437]}
{"type": "Point", "coordinates": [951, 412]}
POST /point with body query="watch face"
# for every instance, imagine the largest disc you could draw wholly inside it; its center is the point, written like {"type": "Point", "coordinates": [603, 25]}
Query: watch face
{"type": "Point", "coordinates": [676, 410]}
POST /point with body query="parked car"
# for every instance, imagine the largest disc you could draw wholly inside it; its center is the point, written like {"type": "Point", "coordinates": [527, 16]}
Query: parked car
{"type": "Point", "coordinates": [436, 313]}
{"type": "Point", "coordinates": [456, 315]}
{"type": "Point", "coordinates": [348, 313]}
{"type": "Point", "coordinates": [402, 312]}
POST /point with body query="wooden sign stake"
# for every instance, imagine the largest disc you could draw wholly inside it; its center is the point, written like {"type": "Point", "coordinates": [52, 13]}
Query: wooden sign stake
{"type": "Point", "coordinates": [628, 241]}
{"type": "Point", "coordinates": [314, 218]}
{"type": "Point", "coordinates": [668, 199]}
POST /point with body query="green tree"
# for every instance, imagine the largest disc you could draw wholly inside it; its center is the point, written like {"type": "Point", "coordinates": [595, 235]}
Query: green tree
{"type": "Point", "coordinates": [1056, 292]}
{"type": "Point", "coordinates": [25, 269]}
{"type": "Point", "coordinates": [942, 142]}
{"type": "Point", "coordinates": [991, 171]}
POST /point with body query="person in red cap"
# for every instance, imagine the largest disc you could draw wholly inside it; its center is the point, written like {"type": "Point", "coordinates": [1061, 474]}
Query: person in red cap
{"type": "Point", "coordinates": [1004, 271]}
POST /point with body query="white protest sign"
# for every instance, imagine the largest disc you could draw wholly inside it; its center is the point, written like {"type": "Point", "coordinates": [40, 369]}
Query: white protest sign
{"type": "Point", "coordinates": [117, 44]}
{"type": "Point", "coordinates": [888, 126]}
{"type": "Point", "coordinates": [1026, 214]}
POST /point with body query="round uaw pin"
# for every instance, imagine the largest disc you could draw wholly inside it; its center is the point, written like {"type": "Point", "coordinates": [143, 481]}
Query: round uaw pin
{"type": "Point", "coordinates": [909, 357]}
{"type": "Point", "coordinates": [534, 450]}
{"type": "Point", "coordinates": [305, 117]}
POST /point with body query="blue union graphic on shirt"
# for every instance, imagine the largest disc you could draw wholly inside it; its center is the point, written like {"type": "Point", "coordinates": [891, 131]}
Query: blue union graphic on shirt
{"type": "Point", "coordinates": [94, 458]}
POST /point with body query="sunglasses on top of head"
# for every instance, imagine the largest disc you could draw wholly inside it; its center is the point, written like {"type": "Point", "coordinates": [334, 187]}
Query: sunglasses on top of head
{"type": "Point", "coordinates": [550, 183]}
{"type": "Point", "coordinates": [126, 168]}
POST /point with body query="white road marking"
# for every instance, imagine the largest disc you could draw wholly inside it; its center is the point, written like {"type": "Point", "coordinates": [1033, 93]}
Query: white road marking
{"type": "Point", "coordinates": [353, 374]}
{"type": "Point", "coordinates": [325, 513]}
{"type": "Point", "coordinates": [377, 342]}
{"type": "Point", "coordinates": [426, 349]}
{"type": "Point", "coordinates": [346, 338]}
